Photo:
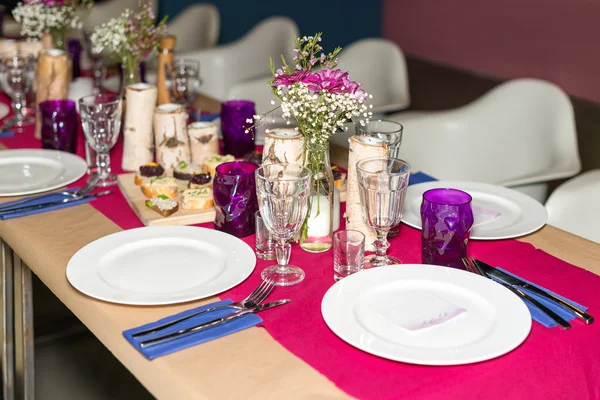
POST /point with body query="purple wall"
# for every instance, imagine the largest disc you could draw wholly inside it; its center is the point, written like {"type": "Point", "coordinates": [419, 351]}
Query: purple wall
{"type": "Point", "coordinates": [556, 40]}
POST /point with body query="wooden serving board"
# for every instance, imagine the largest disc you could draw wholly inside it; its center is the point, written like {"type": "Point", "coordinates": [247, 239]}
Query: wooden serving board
{"type": "Point", "coordinates": [137, 201]}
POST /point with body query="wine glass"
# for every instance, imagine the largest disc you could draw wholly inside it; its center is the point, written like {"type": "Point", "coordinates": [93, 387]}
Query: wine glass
{"type": "Point", "coordinates": [16, 77]}
{"type": "Point", "coordinates": [95, 56]}
{"type": "Point", "coordinates": [382, 185]}
{"type": "Point", "coordinates": [182, 80]}
{"type": "Point", "coordinates": [101, 121]}
{"type": "Point", "coordinates": [283, 191]}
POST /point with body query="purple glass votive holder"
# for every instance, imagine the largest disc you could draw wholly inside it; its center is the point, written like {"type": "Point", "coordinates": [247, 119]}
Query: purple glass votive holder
{"type": "Point", "coordinates": [74, 46]}
{"type": "Point", "coordinates": [234, 116]}
{"type": "Point", "coordinates": [234, 192]}
{"type": "Point", "coordinates": [59, 125]}
{"type": "Point", "coordinates": [446, 218]}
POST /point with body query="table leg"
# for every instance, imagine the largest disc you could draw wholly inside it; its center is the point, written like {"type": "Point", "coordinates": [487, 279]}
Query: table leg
{"type": "Point", "coordinates": [24, 340]}
{"type": "Point", "coordinates": [7, 333]}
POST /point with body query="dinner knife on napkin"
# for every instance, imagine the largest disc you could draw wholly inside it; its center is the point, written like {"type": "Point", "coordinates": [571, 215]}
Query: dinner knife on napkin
{"type": "Point", "coordinates": [212, 323]}
{"type": "Point", "coordinates": [514, 281]}
{"type": "Point", "coordinates": [54, 203]}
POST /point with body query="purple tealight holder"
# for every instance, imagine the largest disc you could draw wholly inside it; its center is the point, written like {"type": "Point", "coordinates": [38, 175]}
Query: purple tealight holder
{"type": "Point", "coordinates": [234, 117]}
{"type": "Point", "coordinates": [234, 192]}
{"type": "Point", "coordinates": [59, 125]}
{"type": "Point", "coordinates": [446, 218]}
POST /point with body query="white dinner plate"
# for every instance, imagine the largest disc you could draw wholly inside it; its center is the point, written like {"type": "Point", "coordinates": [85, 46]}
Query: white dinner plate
{"type": "Point", "coordinates": [4, 110]}
{"type": "Point", "coordinates": [380, 311]}
{"type": "Point", "coordinates": [500, 212]}
{"type": "Point", "coordinates": [160, 265]}
{"type": "Point", "coordinates": [28, 171]}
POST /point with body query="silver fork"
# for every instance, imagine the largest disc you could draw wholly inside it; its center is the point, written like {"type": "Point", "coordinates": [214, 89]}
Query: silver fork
{"type": "Point", "coordinates": [254, 299]}
{"type": "Point", "coordinates": [79, 193]}
{"type": "Point", "coordinates": [472, 266]}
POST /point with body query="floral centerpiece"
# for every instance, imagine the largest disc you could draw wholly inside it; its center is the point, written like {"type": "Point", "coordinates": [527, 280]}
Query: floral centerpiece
{"type": "Point", "coordinates": [132, 37]}
{"type": "Point", "coordinates": [322, 99]}
{"type": "Point", "coordinates": [55, 17]}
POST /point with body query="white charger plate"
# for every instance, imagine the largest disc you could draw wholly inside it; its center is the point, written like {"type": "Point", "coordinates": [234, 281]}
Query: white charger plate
{"type": "Point", "coordinates": [160, 265]}
{"type": "Point", "coordinates": [519, 213]}
{"type": "Point", "coordinates": [361, 309]}
{"type": "Point", "coordinates": [4, 110]}
{"type": "Point", "coordinates": [28, 171]}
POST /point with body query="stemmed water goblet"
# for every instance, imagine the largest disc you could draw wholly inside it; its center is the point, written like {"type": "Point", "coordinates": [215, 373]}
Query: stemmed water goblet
{"type": "Point", "coordinates": [382, 184]}
{"type": "Point", "coordinates": [16, 77]}
{"type": "Point", "coordinates": [101, 121]}
{"type": "Point", "coordinates": [98, 67]}
{"type": "Point", "coordinates": [283, 191]}
{"type": "Point", "coordinates": [182, 80]}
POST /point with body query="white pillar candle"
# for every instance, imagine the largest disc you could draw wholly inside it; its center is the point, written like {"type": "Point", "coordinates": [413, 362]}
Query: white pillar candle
{"type": "Point", "coordinates": [318, 226]}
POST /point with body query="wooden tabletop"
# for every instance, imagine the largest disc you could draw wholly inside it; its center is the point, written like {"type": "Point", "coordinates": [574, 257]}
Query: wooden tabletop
{"type": "Point", "coordinates": [249, 364]}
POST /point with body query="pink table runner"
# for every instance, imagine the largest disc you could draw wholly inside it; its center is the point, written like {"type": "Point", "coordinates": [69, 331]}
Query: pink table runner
{"type": "Point", "coordinates": [551, 363]}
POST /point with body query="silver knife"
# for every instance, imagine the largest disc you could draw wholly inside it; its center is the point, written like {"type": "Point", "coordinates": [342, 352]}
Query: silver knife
{"type": "Point", "coordinates": [54, 203]}
{"type": "Point", "coordinates": [511, 280]}
{"type": "Point", "coordinates": [211, 324]}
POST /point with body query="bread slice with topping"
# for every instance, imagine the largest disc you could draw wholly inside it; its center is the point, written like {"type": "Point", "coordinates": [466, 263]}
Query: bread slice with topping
{"type": "Point", "coordinates": [162, 204]}
{"type": "Point", "coordinates": [197, 199]}
{"type": "Point", "coordinates": [160, 185]}
{"type": "Point", "coordinates": [148, 170]}
{"type": "Point", "coordinates": [185, 171]}
{"type": "Point", "coordinates": [211, 163]}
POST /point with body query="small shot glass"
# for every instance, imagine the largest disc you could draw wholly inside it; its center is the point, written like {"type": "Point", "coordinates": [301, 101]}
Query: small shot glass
{"type": "Point", "coordinates": [348, 253]}
{"type": "Point", "coordinates": [265, 245]}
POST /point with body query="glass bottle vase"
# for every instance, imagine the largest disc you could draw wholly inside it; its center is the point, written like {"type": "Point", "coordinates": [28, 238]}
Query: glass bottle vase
{"type": "Point", "coordinates": [59, 38]}
{"type": "Point", "coordinates": [317, 232]}
{"type": "Point", "coordinates": [131, 73]}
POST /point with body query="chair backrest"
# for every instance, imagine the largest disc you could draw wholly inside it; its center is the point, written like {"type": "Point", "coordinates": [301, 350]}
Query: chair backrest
{"type": "Point", "coordinates": [196, 27]}
{"type": "Point", "coordinates": [573, 206]}
{"type": "Point", "coordinates": [103, 12]}
{"type": "Point", "coordinates": [520, 132]}
{"type": "Point", "coordinates": [246, 59]}
{"type": "Point", "coordinates": [379, 65]}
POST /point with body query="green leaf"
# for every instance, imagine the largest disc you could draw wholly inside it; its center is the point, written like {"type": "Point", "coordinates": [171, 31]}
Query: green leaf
{"type": "Point", "coordinates": [149, 203]}
{"type": "Point", "coordinates": [163, 196]}
{"type": "Point", "coordinates": [182, 165]}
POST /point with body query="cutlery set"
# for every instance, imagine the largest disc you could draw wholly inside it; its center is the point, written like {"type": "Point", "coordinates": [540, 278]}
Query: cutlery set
{"type": "Point", "coordinates": [516, 286]}
{"type": "Point", "coordinates": [23, 205]}
{"type": "Point", "coordinates": [250, 305]}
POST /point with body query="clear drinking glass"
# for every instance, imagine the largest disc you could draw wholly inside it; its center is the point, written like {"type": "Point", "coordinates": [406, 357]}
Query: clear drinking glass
{"type": "Point", "coordinates": [101, 121]}
{"type": "Point", "coordinates": [382, 186]}
{"type": "Point", "coordinates": [16, 77]}
{"type": "Point", "coordinates": [283, 191]}
{"type": "Point", "coordinates": [265, 245]}
{"type": "Point", "coordinates": [388, 131]}
{"type": "Point", "coordinates": [348, 253]}
{"type": "Point", "coordinates": [182, 81]}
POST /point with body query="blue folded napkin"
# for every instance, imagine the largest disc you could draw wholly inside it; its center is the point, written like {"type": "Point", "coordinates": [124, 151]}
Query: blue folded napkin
{"type": "Point", "coordinates": [45, 199]}
{"type": "Point", "coordinates": [419, 177]}
{"type": "Point", "coordinates": [186, 341]}
{"type": "Point", "coordinates": [8, 134]}
{"type": "Point", "coordinates": [537, 314]}
{"type": "Point", "coordinates": [209, 117]}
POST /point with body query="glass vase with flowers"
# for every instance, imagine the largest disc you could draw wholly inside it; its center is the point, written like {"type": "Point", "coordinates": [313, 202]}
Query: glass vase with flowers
{"type": "Point", "coordinates": [321, 99]}
{"type": "Point", "coordinates": [132, 37]}
{"type": "Point", "coordinates": [52, 17]}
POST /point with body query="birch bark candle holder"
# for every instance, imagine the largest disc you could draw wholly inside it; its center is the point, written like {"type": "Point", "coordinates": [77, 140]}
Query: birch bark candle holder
{"type": "Point", "coordinates": [204, 141]}
{"type": "Point", "coordinates": [138, 139]}
{"type": "Point", "coordinates": [170, 135]}
{"type": "Point", "coordinates": [284, 146]}
{"type": "Point", "coordinates": [51, 80]}
{"type": "Point", "coordinates": [361, 147]}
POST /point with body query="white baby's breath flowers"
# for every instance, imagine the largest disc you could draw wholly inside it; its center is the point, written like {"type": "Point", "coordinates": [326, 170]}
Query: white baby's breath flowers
{"type": "Point", "coordinates": [110, 36]}
{"type": "Point", "coordinates": [35, 18]}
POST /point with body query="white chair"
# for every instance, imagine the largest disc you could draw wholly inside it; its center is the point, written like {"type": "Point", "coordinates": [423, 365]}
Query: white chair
{"type": "Point", "coordinates": [520, 134]}
{"type": "Point", "coordinates": [246, 59]}
{"type": "Point", "coordinates": [379, 65]}
{"type": "Point", "coordinates": [196, 27]}
{"type": "Point", "coordinates": [103, 12]}
{"type": "Point", "coordinates": [573, 206]}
